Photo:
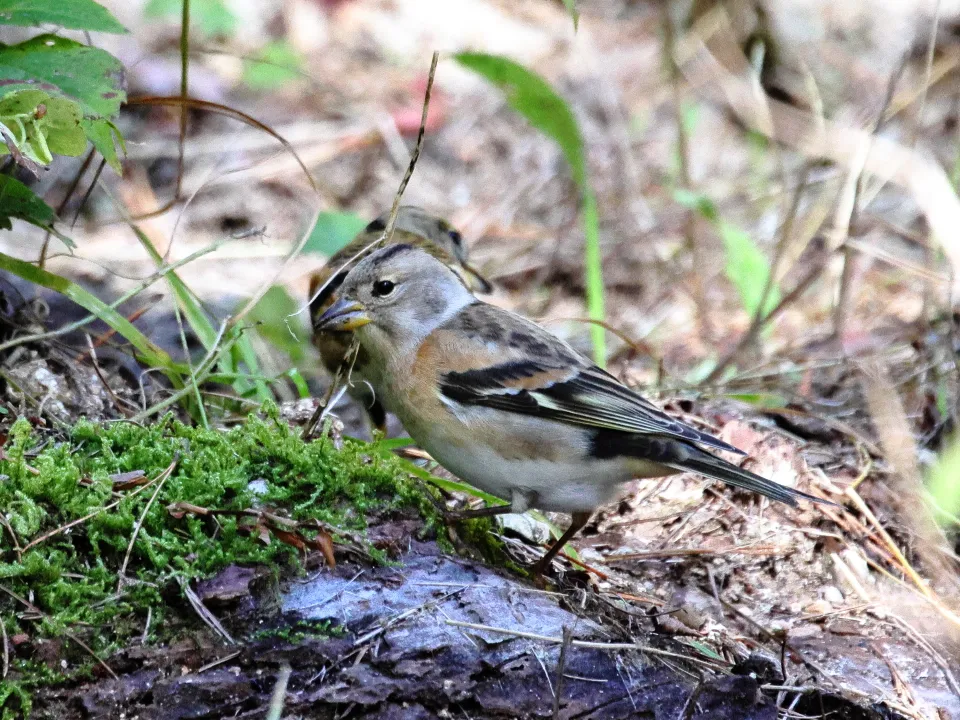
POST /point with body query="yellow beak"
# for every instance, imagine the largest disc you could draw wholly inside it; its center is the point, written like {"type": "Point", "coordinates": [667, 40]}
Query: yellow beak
{"type": "Point", "coordinates": [345, 314]}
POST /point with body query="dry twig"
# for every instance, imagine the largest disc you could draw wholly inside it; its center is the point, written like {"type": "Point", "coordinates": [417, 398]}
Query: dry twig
{"type": "Point", "coordinates": [612, 647]}
{"type": "Point", "coordinates": [208, 618]}
{"type": "Point", "coordinates": [160, 479]}
{"type": "Point", "coordinates": [395, 208]}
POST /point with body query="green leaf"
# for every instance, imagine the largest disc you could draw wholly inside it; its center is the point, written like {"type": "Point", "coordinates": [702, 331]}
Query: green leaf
{"type": "Point", "coordinates": [106, 138]}
{"type": "Point", "coordinates": [58, 66]}
{"type": "Point", "coordinates": [19, 201]}
{"type": "Point", "coordinates": [332, 232]}
{"type": "Point", "coordinates": [394, 443]}
{"type": "Point", "coordinates": [531, 96]}
{"type": "Point", "coordinates": [704, 650]}
{"type": "Point", "coordinates": [690, 116]}
{"type": "Point", "coordinates": [748, 269]}
{"type": "Point", "coordinates": [42, 124]}
{"type": "Point", "coordinates": [944, 480]}
{"type": "Point", "coordinates": [269, 314]}
{"type": "Point", "coordinates": [697, 202]}
{"type": "Point", "coordinates": [275, 65]}
{"type": "Point", "coordinates": [61, 126]}
{"type": "Point", "coordinates": [211, 17]}
{"type": "Point", "coordinates": [299, 382]}
{"type": "Point", "coordinates": [69, 14]}
{"type": "Point", "coordinates": [761, 399]}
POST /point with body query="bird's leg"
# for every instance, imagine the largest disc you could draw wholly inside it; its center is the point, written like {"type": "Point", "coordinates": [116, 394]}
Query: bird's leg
{"type": "Point", "coordinates": [520, 502]}
{"type": "Point", "coordinates": [578, 520]}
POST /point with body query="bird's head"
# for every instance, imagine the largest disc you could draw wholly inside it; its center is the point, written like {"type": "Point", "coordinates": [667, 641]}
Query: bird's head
{"type": "Point", "coordinates": [397, 295]}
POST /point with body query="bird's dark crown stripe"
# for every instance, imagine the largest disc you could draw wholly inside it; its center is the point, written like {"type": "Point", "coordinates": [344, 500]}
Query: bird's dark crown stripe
{"type": "Point", "coordinates": [390, 251]}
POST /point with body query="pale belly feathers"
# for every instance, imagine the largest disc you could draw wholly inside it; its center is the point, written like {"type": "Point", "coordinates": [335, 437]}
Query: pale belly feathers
{"type": "Point", "coordinates": [524, 460]}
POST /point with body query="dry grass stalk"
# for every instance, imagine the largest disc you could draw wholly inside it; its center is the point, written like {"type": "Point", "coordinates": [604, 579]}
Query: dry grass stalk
{"type": "Point", "coordinates": [913, 170]}
{"type": "Point", "coordinates": [160, 480]}
{"type": "Point", "coordinates": [395, 208]}
{"type": "Point", "coordinates": [279, 693]}
{"type": "Point", "coordinates": [611, 647]}
{"type": "Point", "coordinates": [900, 450]}
{"type": "Point", "coordinates": [208, 618]}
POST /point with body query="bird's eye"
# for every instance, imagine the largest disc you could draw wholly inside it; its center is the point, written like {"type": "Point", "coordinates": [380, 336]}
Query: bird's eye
{"type": "Point", "coordinates": [382, 288]}
{"type": "Point", "coordinates": [456, 237]}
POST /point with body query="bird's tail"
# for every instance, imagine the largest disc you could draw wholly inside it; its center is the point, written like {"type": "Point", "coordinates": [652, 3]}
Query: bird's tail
{"type": "Point", "coordinates": [719, 469]}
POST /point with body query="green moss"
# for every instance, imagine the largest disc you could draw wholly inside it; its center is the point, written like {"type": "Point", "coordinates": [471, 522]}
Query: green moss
{"type": "Point", "coordinates": [15, 700]}
{"type": "Point", "coordinates": [302, 630]}
{"type": "Point", "coordinates": [72, 576]}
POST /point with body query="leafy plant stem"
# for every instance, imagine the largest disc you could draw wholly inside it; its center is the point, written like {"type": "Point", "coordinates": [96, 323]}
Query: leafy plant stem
{"type": "Point", "coordinates": [683, 168]}
{"type": "Point", "coordinates": [197, 377]}
{"type": "Point", "coordinates": [762, 315]}
{"type": "Point", "coordinates": [184, 93]}
{"type": "Point", "coordinates": [152, 354]}
{"type": "Point", "coordinates": [594, 276]}
{"type": "Point", "coordinates": [74, 184]}
{"type": "Point", "coordinates": [533, 98]}
{"type": "Point", "coordinates": [158, 275]}
{"type": "Point", "coordinates": [192, 376]}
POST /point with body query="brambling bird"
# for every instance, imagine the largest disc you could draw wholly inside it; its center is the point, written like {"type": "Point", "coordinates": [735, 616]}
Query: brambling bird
{"type": "Point", "coordinates": [413, 226]}
{"type": "Point", "coordinates": [505, 405]}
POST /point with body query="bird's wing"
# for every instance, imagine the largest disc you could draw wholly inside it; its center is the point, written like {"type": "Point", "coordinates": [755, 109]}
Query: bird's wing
{"type": "Point", "coordinates": [493, 358]}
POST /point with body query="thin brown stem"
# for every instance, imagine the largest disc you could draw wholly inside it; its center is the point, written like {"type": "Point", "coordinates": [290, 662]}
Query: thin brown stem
{"type": "Point", "coordinates": [74, 184]}
{"type": "Point", "coordinates": [761, 317]}
{"type": "Point", "coordinates": [683, 167]}
{"type": "Point", "coordinates": [160, 480]}
{"type": "Point", "coordinates": [395, 208]}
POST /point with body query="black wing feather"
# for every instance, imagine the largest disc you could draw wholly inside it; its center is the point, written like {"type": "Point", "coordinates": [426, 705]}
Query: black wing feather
{"type": "Point", "coordinates": [591, 397]}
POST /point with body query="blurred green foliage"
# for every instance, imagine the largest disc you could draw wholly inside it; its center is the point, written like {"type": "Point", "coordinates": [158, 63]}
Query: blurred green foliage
{"type": "Point", "coordinates": [270, 317]}
{"type": "Point", "coordinates": [944, 480]}
{"type": "Point", "coordinates": [212, 18]}
{"type": "Point", "coordinates": [332, 232]}
{"type": "Point", "coordinates": [275, 65]}
{"type": "Point", "coordinates": [532, 97]}
{"type": "Point", "coordinates": [68, 14]}
{"type": "Point", "coordinates": [571, 6]}
{"type": "Point", "coordinates": [747, 267]}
